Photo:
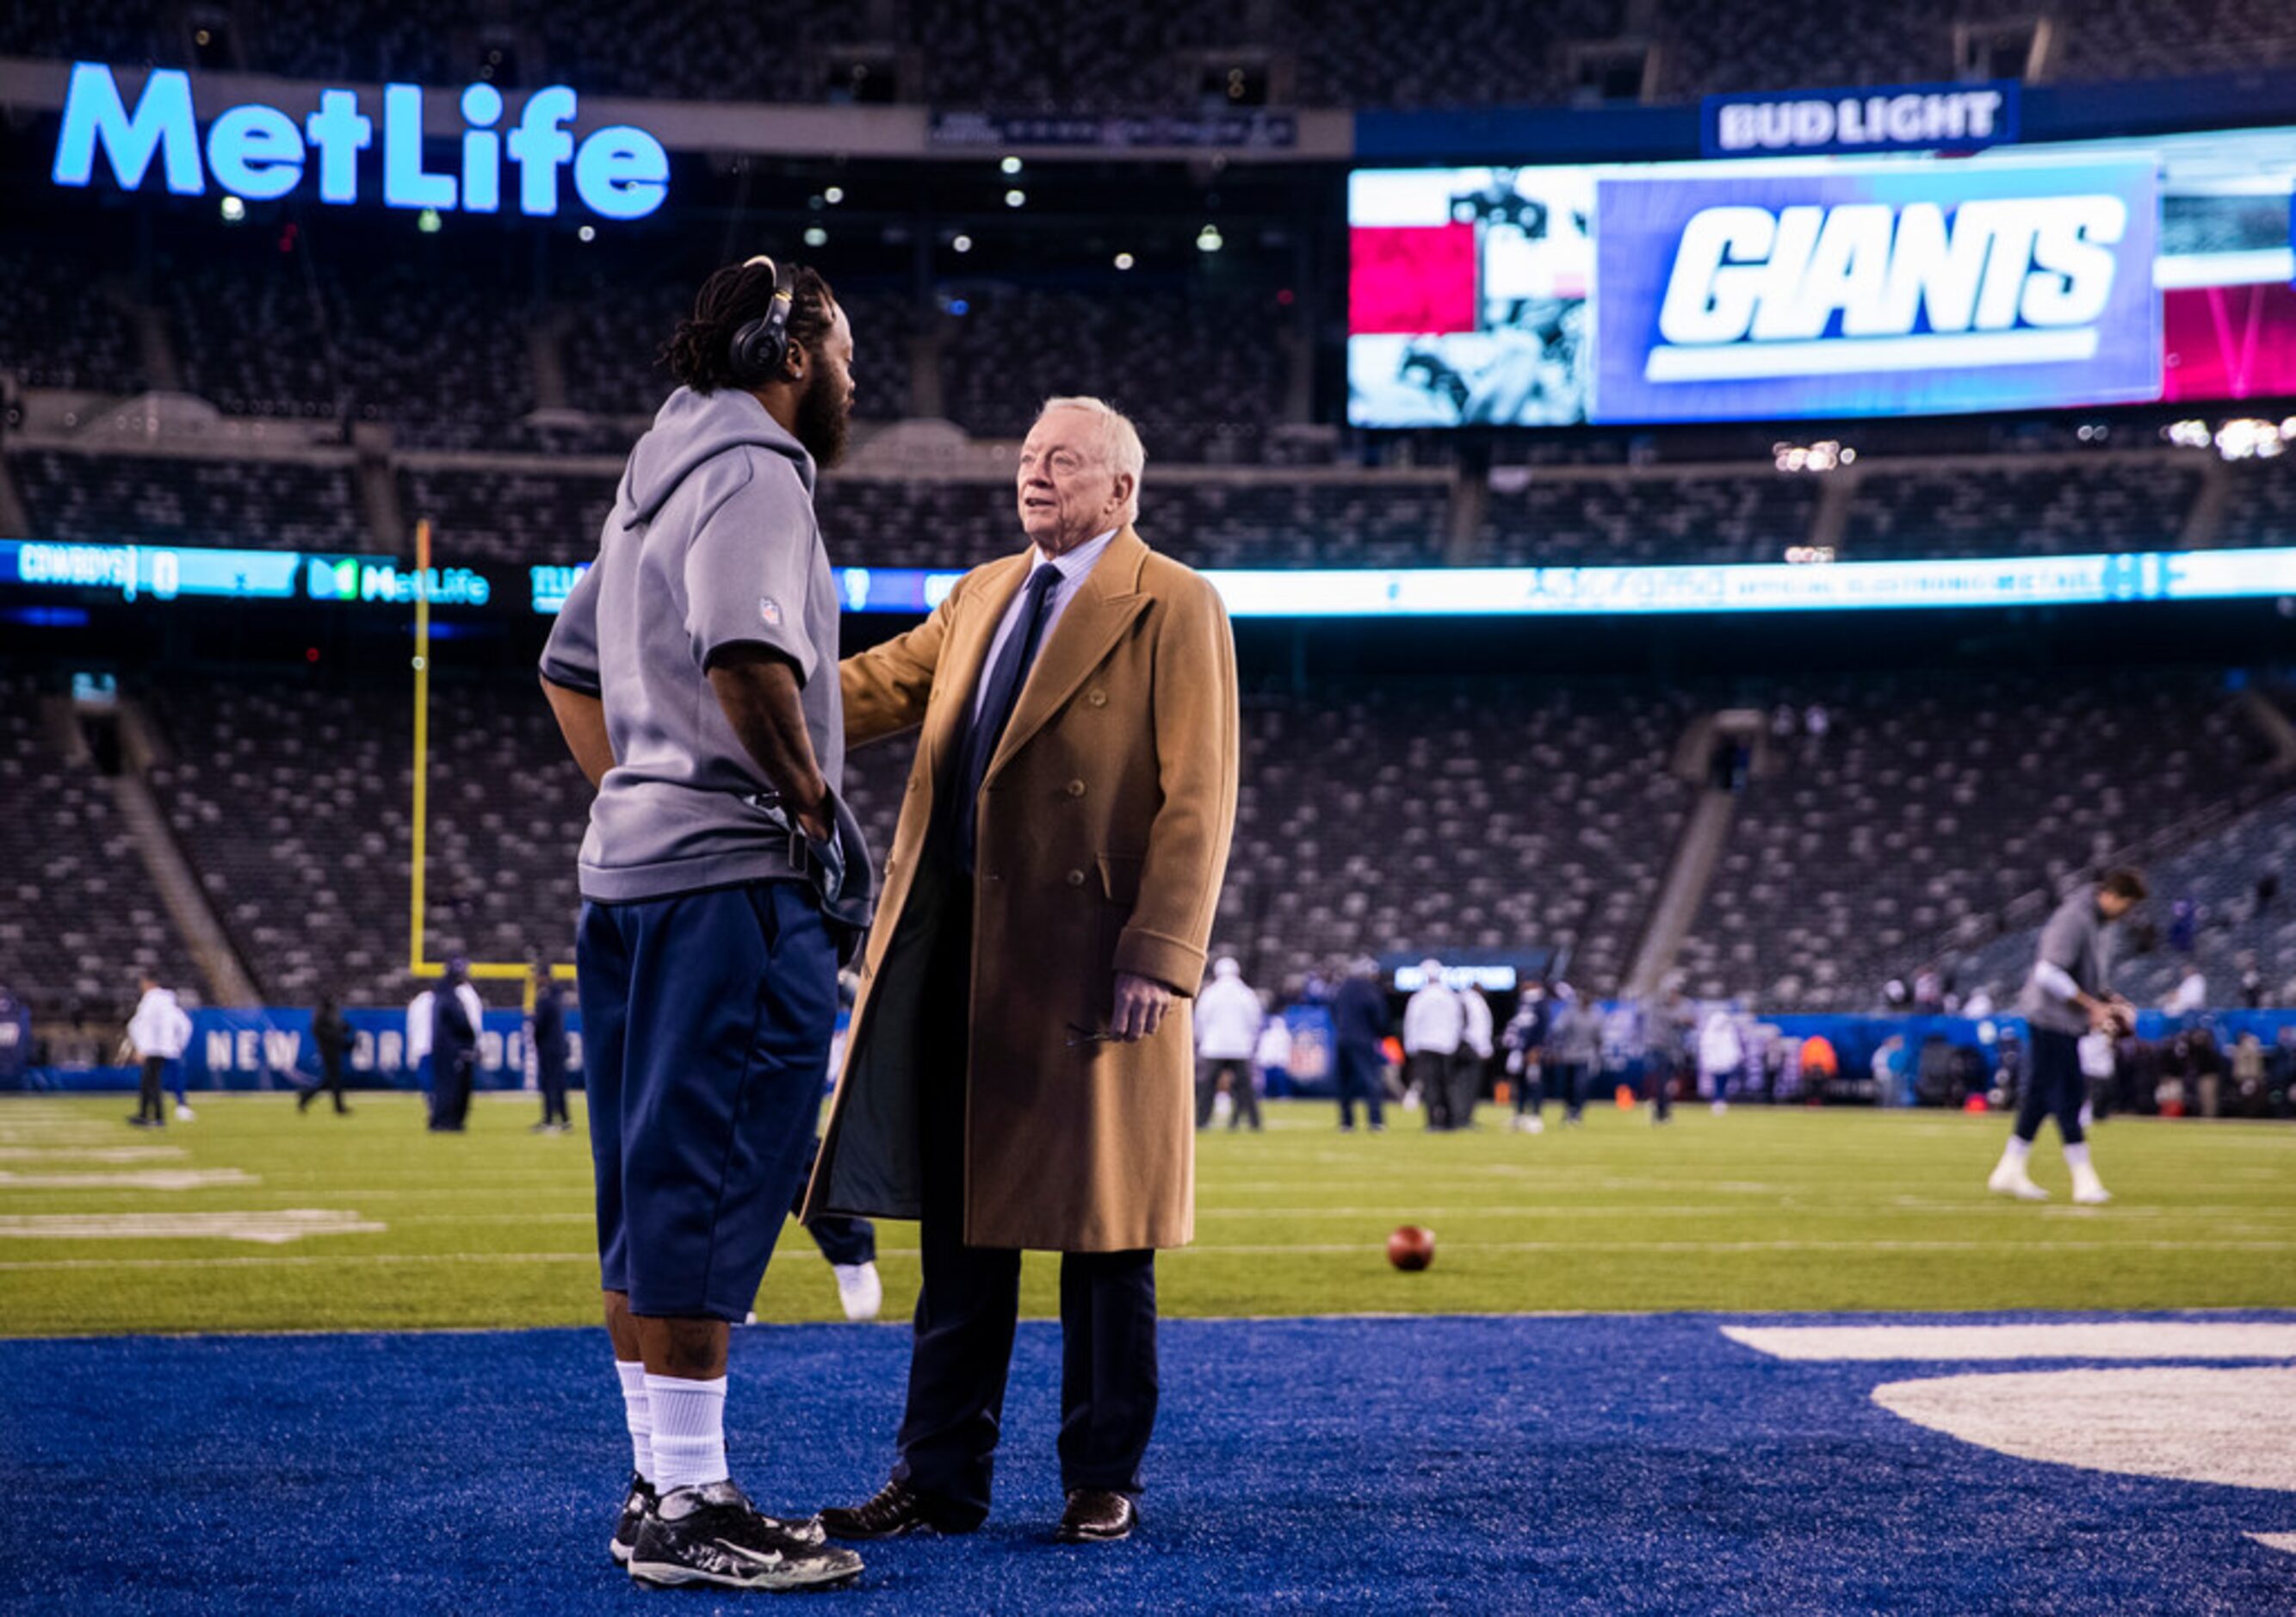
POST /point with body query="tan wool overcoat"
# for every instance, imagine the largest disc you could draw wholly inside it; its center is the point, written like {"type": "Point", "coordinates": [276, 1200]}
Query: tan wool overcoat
{"type": "Point", "coordinates": [1103, 828]}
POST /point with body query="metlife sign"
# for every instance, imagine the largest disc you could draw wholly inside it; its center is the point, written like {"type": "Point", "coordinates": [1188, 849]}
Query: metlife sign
{"type": "Point", "coordinates": [1875, 288]}
{"type": "Point", "coordinates": [1909, 117]}
{"type": "Point", "coordinates": [260, 152]}
{"type": "Point", "coordinates": [365, 579]}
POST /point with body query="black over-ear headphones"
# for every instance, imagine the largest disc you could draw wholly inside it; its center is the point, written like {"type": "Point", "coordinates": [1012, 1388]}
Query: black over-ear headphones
{"type": "Point", "coordinates": [758, 348]}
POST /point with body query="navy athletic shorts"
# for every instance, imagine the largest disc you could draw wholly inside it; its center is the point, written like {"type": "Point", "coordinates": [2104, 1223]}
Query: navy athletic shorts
{"type": "Point", "coordinates": [706, 1022]}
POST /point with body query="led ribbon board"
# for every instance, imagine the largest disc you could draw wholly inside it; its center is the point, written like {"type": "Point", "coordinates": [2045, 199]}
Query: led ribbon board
{"type": "Point", "coordinates": [165, 572]}
{"type": "Point", "coordinates": [859, 589]}
{"type": "Point", "coordinates": [1560, 592]}
{"type": "Point", "coordinates": [1465, 592]}
{"type": "Point", "coordinates": [260, 152]}
{"type": "Point", "coordinates": [150, 571]}
{"type": "Point", "coordinates": [157, 572]}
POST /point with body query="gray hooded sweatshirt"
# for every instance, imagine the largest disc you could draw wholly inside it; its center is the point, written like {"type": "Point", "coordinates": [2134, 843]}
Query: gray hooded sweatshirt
{"type": "Point", "coordinates": [712, 544]}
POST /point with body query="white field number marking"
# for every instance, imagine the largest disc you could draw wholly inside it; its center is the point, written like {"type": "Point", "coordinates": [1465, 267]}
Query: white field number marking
{"type": "Point", "coordinates": [2101, 1339]}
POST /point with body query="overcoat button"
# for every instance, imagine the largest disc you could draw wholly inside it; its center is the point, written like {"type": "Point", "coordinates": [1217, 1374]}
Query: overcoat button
{"type": "Point", "coordinates": [1098, 698]}
{"type": "Point", "coordinates": [1075, 878]}
{"type": "Point", "coordinates": [1076, 788]}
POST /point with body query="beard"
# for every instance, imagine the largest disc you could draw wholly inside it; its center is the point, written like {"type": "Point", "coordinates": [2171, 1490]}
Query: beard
{"type": "Point", "coordinates": [825, 421]}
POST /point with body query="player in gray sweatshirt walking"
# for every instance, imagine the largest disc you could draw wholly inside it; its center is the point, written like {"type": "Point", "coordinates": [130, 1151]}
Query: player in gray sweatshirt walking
{"type": "Point", "coordinates": [2067, 995]}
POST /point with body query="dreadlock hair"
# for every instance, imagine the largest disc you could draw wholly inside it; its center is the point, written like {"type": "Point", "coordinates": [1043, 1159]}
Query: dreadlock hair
{"type": "Point", "coordinates": [696, 353]}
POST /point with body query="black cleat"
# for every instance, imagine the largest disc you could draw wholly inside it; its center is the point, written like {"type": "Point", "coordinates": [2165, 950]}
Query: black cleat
{"type": "Point", "coordinates": [1097, 1516]}
{"type": "Point", "coordinates": [712, 1534]}
{"type": "Point", "coordinates": [636, 1507]}
{"type": "Point", "coordinates": [897, 1511]}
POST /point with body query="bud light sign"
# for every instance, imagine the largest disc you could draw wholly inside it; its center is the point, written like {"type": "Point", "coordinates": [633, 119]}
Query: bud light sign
{"type": "Point", "coordinates": [1876, 290]}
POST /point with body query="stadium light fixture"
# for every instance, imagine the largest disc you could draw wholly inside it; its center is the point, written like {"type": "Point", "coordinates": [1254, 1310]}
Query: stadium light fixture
{"type": "Point", "coordinates": [1016, 198]}
{"type": "Point", "coordinates": [1826, 454]}
{"type": "Point", "coordinates": [1011, 165]}
{"type": "Point", "coordinates": [833, 195]}
{"type": "Point", "coordinates": [961, 243]}
{"type": "Point", "coordinates": [1124, 260]}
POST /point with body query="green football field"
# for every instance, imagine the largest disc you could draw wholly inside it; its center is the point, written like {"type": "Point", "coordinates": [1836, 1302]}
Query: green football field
{"type": "Point", "coordinates": [252, 1218]}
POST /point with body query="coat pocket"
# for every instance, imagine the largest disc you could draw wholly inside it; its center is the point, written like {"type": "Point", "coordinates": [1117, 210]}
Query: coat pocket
{"type": "Point", "coordinates": [1120, 878]}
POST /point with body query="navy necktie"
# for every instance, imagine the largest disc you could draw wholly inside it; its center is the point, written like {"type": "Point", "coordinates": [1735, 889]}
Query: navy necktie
{"type": "Point", "coordinates": [998, 698]}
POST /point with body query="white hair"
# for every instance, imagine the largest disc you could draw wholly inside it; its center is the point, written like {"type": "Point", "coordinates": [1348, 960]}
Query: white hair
{"type": "Point", "coordinates": [1119, 440]}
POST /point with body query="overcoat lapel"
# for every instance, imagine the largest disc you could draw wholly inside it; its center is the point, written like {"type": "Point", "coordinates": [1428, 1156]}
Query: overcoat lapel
{"type": "Point", "coordinates": [1090, 626]}
{"type": "Point", "coordinates": [958, 677]}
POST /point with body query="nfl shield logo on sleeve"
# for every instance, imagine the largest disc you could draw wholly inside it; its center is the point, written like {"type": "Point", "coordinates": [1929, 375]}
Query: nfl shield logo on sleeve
{"type": "Point", "coordinates": [770, 610]}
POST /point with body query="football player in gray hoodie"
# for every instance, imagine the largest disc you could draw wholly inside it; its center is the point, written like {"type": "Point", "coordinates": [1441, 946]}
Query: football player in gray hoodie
{"type": "Point", "coordinates": [694, 673]}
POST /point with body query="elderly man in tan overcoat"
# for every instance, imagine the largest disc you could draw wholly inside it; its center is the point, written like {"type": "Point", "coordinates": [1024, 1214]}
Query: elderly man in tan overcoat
{"type": "Point", "coordinates": [1020, 1069]}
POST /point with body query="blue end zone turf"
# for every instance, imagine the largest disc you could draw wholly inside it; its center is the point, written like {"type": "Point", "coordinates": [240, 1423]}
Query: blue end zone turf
{"type": "Point", "coordinates": [1594, 1464]}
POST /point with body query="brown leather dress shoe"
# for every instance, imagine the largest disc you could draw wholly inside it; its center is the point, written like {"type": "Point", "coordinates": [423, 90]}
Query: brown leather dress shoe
{"type": "Point", "coordinates": [1096, 1516]}
{"type": "Point", "coordinates": [896, 1512]}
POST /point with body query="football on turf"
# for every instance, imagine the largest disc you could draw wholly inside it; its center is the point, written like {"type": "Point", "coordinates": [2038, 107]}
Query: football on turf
{"type": "Point", "coordinates": [1411, 1248]}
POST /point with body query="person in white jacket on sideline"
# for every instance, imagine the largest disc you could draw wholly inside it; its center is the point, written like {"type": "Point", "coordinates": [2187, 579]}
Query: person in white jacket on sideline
{"type": "Point", "coordinates": [1227, 1031]}
{"type": "Point", "coordinates": [1721, 1052]}
{"type": "Point", "coordinates": [1273, 1054]}
{"type": "Point", "coordinates": [1434, 1027]}
{"type": "Point", "coordinates": [158, 1033]}
{"type": "Point", "coordinates": [420, 1012]}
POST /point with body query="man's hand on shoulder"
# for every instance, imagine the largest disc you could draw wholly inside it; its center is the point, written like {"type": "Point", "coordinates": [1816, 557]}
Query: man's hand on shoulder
{"type": "Point", "coordinates": [1141, 1003]}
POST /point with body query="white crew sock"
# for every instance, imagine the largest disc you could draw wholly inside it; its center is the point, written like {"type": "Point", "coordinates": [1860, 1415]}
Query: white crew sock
{"type": "Point", "coordinates": [2076, 1156]}
{"type": "Point", "coordinates": [638, 1413]}
{"type": "Point", "coordinates": [2016, 1151]}
{"type": "Point", "coordinates": [689, 1431]}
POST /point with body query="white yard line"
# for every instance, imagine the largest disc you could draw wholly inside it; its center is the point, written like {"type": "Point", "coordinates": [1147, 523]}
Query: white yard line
{"type": "Point", "coordinates": [1206, 1250]}
{"type": "Point", "coordinates": [149, 1178]}
{"type": "Point", "coordinates": [92, 1154]}
{"type": "Point", "coordinates": [271, 1227]}
{"type": "Point", "coordinates": [342, 1259]}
